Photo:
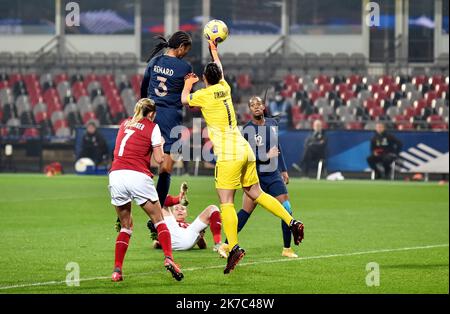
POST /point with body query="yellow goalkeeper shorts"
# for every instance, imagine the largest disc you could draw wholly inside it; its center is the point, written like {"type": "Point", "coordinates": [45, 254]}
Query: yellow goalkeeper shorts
{"type": "Point", "coordinates": [234, 174]}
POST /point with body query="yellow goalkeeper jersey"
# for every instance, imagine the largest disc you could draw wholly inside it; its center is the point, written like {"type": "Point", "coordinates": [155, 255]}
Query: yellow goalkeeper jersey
{"type": "Point", "coordinates": [217, 109]}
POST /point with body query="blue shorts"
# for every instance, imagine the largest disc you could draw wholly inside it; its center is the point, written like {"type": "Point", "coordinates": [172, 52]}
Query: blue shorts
{"type": "Point", "coordinates": [273, 184]}
{"type": "Point", "coordinates": [167, 119]}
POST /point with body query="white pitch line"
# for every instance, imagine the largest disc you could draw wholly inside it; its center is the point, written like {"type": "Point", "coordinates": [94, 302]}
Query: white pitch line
{"type": "Point", "coordinates": [240, 265]}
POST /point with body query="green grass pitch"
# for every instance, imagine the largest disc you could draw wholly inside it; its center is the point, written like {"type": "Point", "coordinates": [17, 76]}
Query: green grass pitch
{"type": "Point", "coordinates": [47, 223]}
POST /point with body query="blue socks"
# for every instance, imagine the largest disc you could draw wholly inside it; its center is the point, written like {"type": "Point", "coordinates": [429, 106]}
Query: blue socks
{"type": "Point", "coordinates": [162, 187]}
{"type": "Point", "coordinates": [242, 219]}
{"type": "Point", "coordinates": [285, 228]}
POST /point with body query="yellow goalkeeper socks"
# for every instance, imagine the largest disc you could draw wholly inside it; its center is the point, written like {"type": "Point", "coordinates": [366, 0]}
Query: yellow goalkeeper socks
{"type": "Point", "coordinates": [272, 205]}
{"type": "Point", "coordinates": [229, 223]}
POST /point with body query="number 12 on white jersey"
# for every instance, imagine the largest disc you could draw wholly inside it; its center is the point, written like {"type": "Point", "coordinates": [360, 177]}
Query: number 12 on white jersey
{"type": "Point", "coordinates": [128, 134]}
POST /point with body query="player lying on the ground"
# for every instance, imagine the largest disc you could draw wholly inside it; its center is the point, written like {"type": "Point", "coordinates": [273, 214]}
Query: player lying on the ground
{"type": "Point", "coordinates": [273, 180]}
{"type": "Point", "coordinates": [130, 179]}
{"type": "Point", "coordinates": [185, 235]}
{"type": "Point", "coordinates": [236, 165]}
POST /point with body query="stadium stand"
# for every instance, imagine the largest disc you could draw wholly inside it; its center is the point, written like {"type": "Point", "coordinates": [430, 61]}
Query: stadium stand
{"type": "Point", "coordinates": [336, 89]}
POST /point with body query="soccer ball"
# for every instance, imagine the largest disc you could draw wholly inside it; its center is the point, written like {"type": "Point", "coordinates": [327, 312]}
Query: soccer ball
{"type": "Point", "coordinates": [216, 31]}
{"type": "Point", "coordinates": [82, 164]}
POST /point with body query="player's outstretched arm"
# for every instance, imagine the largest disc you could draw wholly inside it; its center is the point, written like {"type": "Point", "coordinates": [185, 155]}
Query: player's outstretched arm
{"type": "Point", "coordinates": [215, 55]}
{"type": "Point", "coordinates": [189, 81]}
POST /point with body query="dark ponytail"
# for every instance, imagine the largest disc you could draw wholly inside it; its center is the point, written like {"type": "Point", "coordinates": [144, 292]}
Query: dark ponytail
{"type": "Point", "coordinates": [176, 40]}
{"type": "Point", "coordinates": [163, 43]}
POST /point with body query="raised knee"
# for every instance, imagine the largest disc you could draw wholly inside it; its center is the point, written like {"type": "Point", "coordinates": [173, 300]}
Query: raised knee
{"type": "Point", "coordinates": [211, 209]}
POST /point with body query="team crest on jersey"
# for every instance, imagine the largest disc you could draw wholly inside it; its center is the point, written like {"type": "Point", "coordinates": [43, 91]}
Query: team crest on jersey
{"type": "Point", "coordinates": [258, 140]}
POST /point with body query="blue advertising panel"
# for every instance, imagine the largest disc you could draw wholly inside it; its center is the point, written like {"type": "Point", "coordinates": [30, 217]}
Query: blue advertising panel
{"type": "Point", "coordinates": [348, 150]}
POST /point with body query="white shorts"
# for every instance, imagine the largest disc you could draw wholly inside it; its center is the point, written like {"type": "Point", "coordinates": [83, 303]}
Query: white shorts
{"type": "Point", "coordinates": [184, 238]}
{"type": "Point", "coordinates": [128, 185]}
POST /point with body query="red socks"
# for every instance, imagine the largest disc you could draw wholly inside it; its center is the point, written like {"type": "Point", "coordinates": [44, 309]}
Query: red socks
{"type": "Point", "coordinates": [124, 238]}
{"type": "Point", "coordinates": [164, 238]}
{"type": "Point", "coordinates": [215, 224]}
{"type": "Point", "coordinates": [121, 247]}
{"type": "Point", "coordinates": [171, 200]}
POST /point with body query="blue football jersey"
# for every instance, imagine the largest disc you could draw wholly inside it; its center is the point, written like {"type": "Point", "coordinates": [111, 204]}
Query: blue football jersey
{"type": "Point", "coordinates": [164, 81]}
{"type": "Point", "coordinates": [262, 139]}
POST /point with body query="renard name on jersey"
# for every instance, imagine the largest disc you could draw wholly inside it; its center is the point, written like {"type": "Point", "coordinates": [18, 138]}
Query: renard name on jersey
{"type": "Point", "coordinates": [161, 70]}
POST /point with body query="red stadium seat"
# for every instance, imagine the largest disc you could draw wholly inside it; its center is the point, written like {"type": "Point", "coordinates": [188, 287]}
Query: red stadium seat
{"type": "Point", "coordinates": [347, 95]}
{"type": "Point", "coordinates": [342, 88]}
{"type": "Point", "coordinates": [326, 87]}
{"type": "Point", "coordinates": [31, 132]}
{"type": "Point", "coordinates": [290, 79]}
{"type": "Point", "coordinates": [434, 118]}
{"type": "Point", "coordinates": [313, 95]}
{"type": "Point", "coordinates": [62, 77]}
{"type": "Point", "coordinates": [441, 90]}
{"type": "Point", "coordinates": [78, 90]}
{"type": "Point", "coordinates": [60, 124]}
{"type": "Point", "coordinates": [436, 123]}
{"type": "Point", "coordinates": [404, 126]}
{"type": "Point", "coordinates": [374, 88]}
{"type": "Point", "coordinates": [436, 80]}
{"type": "Point", "coordinates": [354, 79]}
{"type": "Point", "coordinates": [53, 105]}
{"type": "Point", "coordinates": [13, 78]}
{"type": "Point", "coordinates": [295, 86]}
{"type": "Point", "coordinates": [354, 126]}
{"type": "Point", "coordinates": [136, 81]}
{"type": "Point", "coordinates": [295, 110]}
{"type": "Point", "coordinates": [89, 116]}
{"type": "Point", "coordinates": [409, 112]}
{"type": "Point", "coordinates": [430, 96]}
{"type": "Point", "coordinates": [400, 118]}
{"type": "Point", "coordinates": [315, 116]}
{"type": "Point", "coordinates": [439, 126]}
{"type": "Point", "coordinates": [380, 95]}
{"type": "Point", "coordinates": [391, 89]}
{"type": "Point", "coordinates": [386, 80]}
{"type": "Point", "coordinates": [321, 79]}
{"type": "Point", "coordinates": [376, 112]}
{"type": "Point", "coordinates": [30, 77]}
{"type": "Point", "coordinates": [49, 93]}
{"type": "Point", "coordinates": [244, 81]}
{"type": "Point", "coordinates": [246, 117]}
{"type": "Point", "coordinates": [370, 103]}
{"type": "Point", "coordinates": [4, 84]}
{"type": "Point", "coordinates": [419, 80]}
{"type": "Point", "coordinates": [89, 78]}
{"type": "Point", "coordinates": [287, 93]}
{"type": "Point", "coordinates": [419, 105]}
{"type": "Point", "coordinates": [3, 132]}
{"type": "Point", "coordinates": [40, 116]}
{"type": "Point", "coordinates": [297, 115]}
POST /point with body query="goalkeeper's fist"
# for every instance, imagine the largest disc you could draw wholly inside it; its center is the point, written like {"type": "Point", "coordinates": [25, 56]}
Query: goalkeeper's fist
{"type": "Point", "coordinates": [212, 44]}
